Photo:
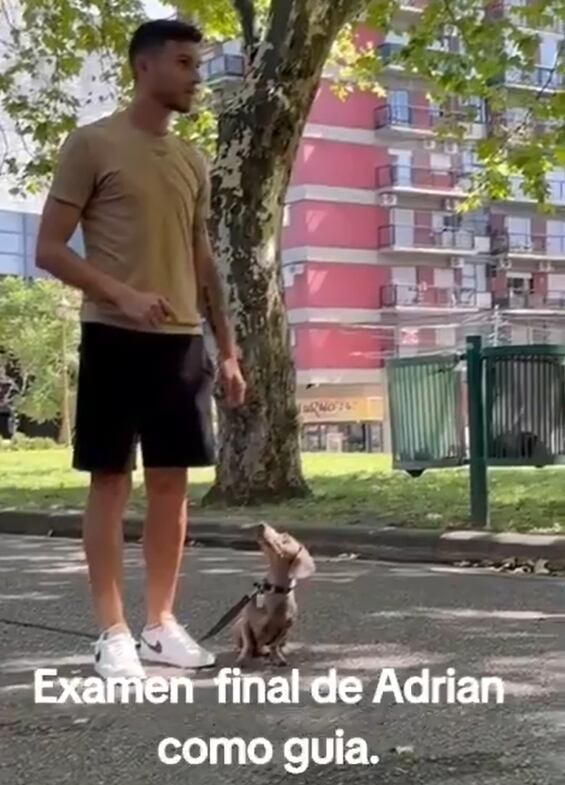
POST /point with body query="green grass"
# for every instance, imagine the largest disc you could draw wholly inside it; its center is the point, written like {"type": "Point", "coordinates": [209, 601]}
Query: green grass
{"type": "Point", "coordinates": [347, 490]}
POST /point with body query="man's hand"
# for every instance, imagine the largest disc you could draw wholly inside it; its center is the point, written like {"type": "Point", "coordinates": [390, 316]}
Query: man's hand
{"type": "Point", "coordinates": [144, 308]}
{"type": "Point", "coordinates": [233, 382]}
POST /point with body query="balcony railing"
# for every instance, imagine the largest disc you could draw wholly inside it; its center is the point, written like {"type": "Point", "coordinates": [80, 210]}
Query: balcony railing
{"type": "Point", "coordinates": [415, 117]}
{"type": "Point", "coordinates": [389, 52]}
{"type": "Point", "coordinates": [513, 9]}
{"type": "Point", "coordinates": [553, 301]}
{"type": "Point", "coordinates": [539, 77]}
{"type": "Point", "coordinates": [425, 237]}
{"type": "Point", "coordinates": [528, 244]}
{"type": "Point", "coordinates": [399, 176]}
{"type": "Point", "coordinates": [413, 5]}
{"type": "Point", "coordinates": [424, 118]}
{"type": "Point", "coordinates": [556, 190]}
{"type": "Point", "coordinates": [223, 66]}
{"type": "Point", "coordinates": [394, 296]}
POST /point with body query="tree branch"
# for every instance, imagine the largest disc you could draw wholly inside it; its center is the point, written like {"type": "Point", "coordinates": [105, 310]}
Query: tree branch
{"type": "Point", "coordinates": [247, 16]}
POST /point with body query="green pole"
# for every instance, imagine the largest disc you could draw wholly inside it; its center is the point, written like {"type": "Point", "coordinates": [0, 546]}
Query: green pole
{"type": "Point", "coordinates": [480, 514]}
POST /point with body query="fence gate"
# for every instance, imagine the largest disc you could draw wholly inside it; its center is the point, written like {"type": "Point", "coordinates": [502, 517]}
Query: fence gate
{"type": "Point", "coordinates": [427, 418]}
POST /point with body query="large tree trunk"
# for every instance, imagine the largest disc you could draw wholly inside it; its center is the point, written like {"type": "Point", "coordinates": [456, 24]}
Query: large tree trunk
{"type": "Point", "coordinates": [259, 134]}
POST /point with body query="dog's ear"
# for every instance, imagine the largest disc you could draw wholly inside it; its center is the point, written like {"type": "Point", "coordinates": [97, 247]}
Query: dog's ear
{"type": "Point", "coordinates": [304, 566]}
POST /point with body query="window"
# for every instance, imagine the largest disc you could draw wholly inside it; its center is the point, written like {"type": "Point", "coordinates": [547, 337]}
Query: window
{"type": "Point", "coordinates": [519, 289]}
{"type": "Point", "coordinates": [520, 233]}
{"type": "Point", "coordinates": [474, 109]}
{"type": "Point", "coordinates": [440, 162]}
{"type": "Point", "coordinates": [10, 221]}
{"type": "Point", "coordinates": [11, 243]}
{"type": "Point", "coordinates": [399, 101]}
{"type": "Point", "coordinates": [402, 167]}
{"type": "Point", "coordinates": [555, 238]}
{"type": "Point", "coordinates": [556, 182]}
{"type": "Point", "coordinates": [404, 227]}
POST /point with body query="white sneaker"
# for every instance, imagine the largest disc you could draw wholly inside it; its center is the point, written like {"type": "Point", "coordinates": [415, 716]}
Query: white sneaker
{"type": "Point", "coordinates": [115, 656]}
{"type": "Point", "coordinates": [170, 644]}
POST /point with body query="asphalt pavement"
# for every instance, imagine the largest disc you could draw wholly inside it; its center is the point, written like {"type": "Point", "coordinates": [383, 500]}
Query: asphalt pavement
{"type": "Point", "coordinates": [358, 617]}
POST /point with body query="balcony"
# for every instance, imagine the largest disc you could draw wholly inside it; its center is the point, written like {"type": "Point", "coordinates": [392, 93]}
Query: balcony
{"type": "Point", "coordinates": [415, 179]}
{"type": "Point", "coordinates": [412, 6]}
{"type": "Point", "coordinates": [517, 12]}
{"type": "Point", "coordinates": [420, 122]}
{"type": "Point", "coordinates": [223, 68]}
{"type": "Point", "coordinates": [388, 54]}
{"type": "Point", "coordinates": [529, 246]}
{"type": "Point", "coordinates": [432, 297]}
{"type": "Point", "coordinates": [524, 301]}
{"type": "Point", "coordinates": [555, 187]}
{"type": "Point", "coordinates": [535, 78]}
{"type": "Point", "coordinates": [426, 239]}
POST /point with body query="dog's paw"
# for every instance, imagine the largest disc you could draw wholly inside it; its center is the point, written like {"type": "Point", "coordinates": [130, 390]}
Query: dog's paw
{"type": "Point", "coordinates": [278, 659]}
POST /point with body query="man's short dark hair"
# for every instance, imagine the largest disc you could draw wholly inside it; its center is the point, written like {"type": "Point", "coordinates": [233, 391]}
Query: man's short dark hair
{"type": "Point", "coordinates": [151, 36]}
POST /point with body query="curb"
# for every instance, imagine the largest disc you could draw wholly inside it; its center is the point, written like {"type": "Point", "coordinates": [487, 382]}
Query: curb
{"type": "Point", "coordinates": [378, 543]}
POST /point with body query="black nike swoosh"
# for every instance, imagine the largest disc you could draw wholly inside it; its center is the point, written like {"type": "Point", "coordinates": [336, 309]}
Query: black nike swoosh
{"type": "Point", "coordinates": [157, 647]}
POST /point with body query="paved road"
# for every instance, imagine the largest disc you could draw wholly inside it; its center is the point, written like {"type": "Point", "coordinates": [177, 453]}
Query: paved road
{"type": "Point", "coordinates": [358, 617]}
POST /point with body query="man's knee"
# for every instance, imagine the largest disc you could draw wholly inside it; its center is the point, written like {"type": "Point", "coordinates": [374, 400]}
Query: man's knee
{"type": "Point", "coordinates": [166, 483]}
{"type": "Point", "coordinates": [111, 485]}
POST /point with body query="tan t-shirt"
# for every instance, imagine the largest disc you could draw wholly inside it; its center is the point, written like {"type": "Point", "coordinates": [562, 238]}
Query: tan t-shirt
{"type": "Point", "coordinates": [142, 199]}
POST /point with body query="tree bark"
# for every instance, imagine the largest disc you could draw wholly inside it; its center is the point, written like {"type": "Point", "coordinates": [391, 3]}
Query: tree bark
{"type": "Point", "coordinates": [259, 134]}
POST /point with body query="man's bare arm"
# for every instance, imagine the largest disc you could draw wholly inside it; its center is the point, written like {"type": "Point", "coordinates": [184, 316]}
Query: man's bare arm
{"type": "Point", "coordinates": [58, 223]}
{"type": "Point", "coordinates": [213, 295]}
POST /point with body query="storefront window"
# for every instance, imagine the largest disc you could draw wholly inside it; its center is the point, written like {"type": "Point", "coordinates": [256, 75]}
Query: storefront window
{"type": "Point", "coordinates": [343, 437]}
{"type": "Point", "coordinates": [312, 438]}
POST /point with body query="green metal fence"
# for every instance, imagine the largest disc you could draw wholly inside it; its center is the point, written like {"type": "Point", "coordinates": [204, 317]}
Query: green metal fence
{"type": "Point", "coordinates": [525, 405]}
{"type": "Point", "coordinates": [426, 412]}
{"type": "Point", "coordinates": [510, 400]}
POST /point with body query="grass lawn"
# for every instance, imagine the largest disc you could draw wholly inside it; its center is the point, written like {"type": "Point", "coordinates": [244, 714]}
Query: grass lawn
{"type": "Point", "coordinates": [347, 490]}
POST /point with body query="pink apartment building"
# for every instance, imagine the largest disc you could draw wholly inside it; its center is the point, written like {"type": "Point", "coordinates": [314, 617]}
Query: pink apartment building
{"type": "Point", "coordinates": [377, 262]}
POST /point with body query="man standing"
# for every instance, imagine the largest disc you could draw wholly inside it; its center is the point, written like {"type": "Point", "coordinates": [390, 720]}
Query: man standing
{"type": "Point", "coordinates": [142, 196]}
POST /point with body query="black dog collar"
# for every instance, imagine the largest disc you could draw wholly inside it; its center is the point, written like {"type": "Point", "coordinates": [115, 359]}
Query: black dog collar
{"type": "Point", "coordinates": [266, 587]}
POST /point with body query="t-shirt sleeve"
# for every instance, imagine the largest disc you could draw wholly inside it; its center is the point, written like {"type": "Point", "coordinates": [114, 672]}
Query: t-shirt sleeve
{"type": "Point", "coordinates": [75, 175]}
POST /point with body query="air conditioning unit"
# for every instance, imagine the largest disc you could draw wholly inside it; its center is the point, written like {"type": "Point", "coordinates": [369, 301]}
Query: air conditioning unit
{"type": "Point", "coordinates": [457, 262]}
{"type": "Point", "coordinates": [450, 205]}
{"type": "Point", "coordinates": [430, 144]}
{"type": "Point", "coordinates": [504, 264]}
{"type": "Point", "coordinates": [451, 148]}
{"type": "Point", "coordinates": [545, 267]}
{"type": "Point", "coordinates": [388, 200]}
{"type": "Point", "coordinates": [288, 277]}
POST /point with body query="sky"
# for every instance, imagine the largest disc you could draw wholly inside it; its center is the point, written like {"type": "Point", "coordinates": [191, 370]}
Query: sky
{"type": "Point", "coordinates": [154, 10]}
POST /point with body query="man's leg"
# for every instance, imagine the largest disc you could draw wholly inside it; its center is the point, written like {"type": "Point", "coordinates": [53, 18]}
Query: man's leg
{"type": "Point", "coordinates": [103, 539]}
{"type": "Point", "coordinates": [163, 539]}
{"type": "Point", "coordinates": [104, 446]}
{"type": "Point", "coordinates": [175, 435]}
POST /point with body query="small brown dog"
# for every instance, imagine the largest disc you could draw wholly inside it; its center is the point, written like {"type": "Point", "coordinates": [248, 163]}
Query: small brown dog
{"type": "Point", "coordinates": [264, 623]}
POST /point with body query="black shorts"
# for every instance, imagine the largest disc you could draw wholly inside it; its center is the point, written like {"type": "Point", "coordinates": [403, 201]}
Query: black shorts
{"type": "Point", "coordinates": [142, 388]}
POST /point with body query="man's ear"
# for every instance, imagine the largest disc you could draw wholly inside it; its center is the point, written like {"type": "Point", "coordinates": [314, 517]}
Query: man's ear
{"type": "Point", "coordinates": [304, 566]}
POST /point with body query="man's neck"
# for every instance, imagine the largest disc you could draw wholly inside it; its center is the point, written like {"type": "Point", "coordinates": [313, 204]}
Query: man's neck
{"type": "Point", "coordinates": [149, 116]}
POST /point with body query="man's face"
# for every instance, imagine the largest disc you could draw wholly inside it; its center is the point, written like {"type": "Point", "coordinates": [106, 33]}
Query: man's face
{"type": "Point", "coordinates": [172, 75]}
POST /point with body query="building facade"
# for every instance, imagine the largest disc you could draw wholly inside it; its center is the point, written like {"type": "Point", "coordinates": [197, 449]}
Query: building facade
{"type": "Point", "coordinates": [377, 262]}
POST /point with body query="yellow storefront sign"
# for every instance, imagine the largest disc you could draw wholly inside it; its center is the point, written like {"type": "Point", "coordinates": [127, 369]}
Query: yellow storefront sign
{"type": "Point", "coordinates": [340, 409]}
